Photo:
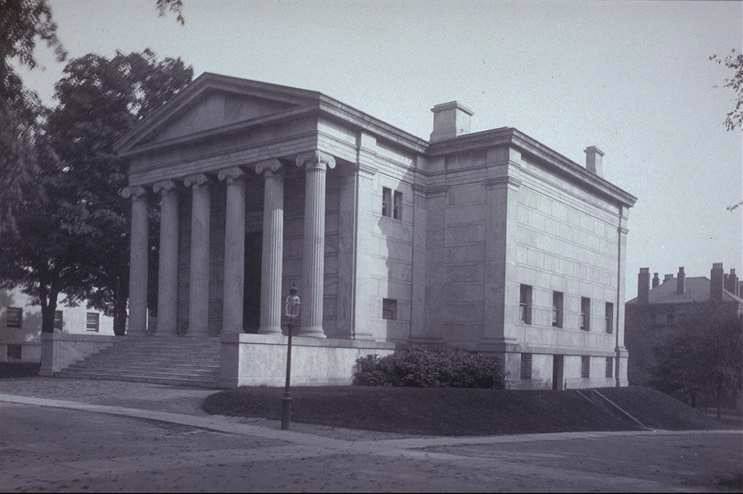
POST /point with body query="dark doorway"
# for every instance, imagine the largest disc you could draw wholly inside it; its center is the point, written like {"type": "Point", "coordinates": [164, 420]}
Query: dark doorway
{"type": "Point", "coordinates": [557, 374]}
{"type": "Point", "coordinates": [252, 296]}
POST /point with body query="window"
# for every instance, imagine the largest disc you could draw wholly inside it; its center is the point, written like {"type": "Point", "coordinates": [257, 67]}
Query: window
{"type": "Point", "coordinates": [585, 366]}
{"type": "Point", "coordinates": [609, 317]}
{"type": "Point", "coordinates": [389, 308]}
{"type": "Point", "coordinates": [526, 366]}
{"type": "Point", "coordinates": [93, 321]}
{"type": "Point", "coordinates": [397, 210]}
{"type": "Point", "coordinates": [14, 317]}
{"type": "Point", "coordinates": [14, 352]}
{"type": "Point", "coordinates": [609, 367]}
{"type": "Point", "coordinates": [585, 313]}
{"type": "Point", "coordinates": [557, 305]}
{"type": "Point", "coordinates": [58, 320]}
{"type": "Point", "coordinates": [525, 304]}
{"type": "Point", "coordinates": [386, 201]}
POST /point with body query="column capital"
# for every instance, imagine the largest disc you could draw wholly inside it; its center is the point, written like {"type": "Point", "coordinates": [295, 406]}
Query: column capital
{"type": "Point", "coordinates": [196, 180]}
{"type": "Point", "coordinates": [316, 160]}
{"type": "Point", "coordinates": [134, 192]}
{"type": "Point", "coordinates": [163, 186]}
{"type": "Point", "coordinates": [231, 175]}
{"type": "Point", "coordinates": [269, 167]}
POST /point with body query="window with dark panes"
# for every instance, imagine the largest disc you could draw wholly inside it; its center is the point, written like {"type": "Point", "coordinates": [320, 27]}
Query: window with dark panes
{"type": "Point", "coordinates": [525, 304]}
{"type": "Point", "coordinates": [14, 317]}
{"type": "Point", "coordinates": [585, 366]}
{"type": "Point", "coordinates": [386, 201]}
{"type": "Point", "coordinates": [585, 313]}
{"type": "Point", "coordinates": [58, 320]}
{"type": "Point", "coordinates": [609, 317]}
{"type": "Point", "coordinates": [557, 305]}
{"type": "Point", "coordinates": [93, 320]}
{"type": "Point", "coordinates": [397, 210]}
{"type": "Point", "coordinates": [526, 365]}
{"type": "Point", "coordinates": [389, 308]}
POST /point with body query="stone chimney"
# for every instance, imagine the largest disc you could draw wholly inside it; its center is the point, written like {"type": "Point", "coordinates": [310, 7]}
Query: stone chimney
{"type": "Point", "coordinates": [594, 158]}
{"type": "Point", "coordinates": [656, 280]}
{"type": "Point", "coordinates": [450, 120]}
{"type": "Point", "coordinates": [643, 286]}
{"type": "Point", "coordinates": [667, 277]}
{"type": "Point", "coordinates": [732, 282]}
{"type": "Point", "coordinates": [681, 281]}
{"type": "Point", "coordinates": [716, 280]}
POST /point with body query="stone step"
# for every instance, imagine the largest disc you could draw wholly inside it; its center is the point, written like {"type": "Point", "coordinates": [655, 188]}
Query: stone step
{"type": "Point", "coordinates": [200, 383]}
{"type": "Point", "coordinates": [144, 368]}
{"type": "Point", "coordinates": [203, 376]}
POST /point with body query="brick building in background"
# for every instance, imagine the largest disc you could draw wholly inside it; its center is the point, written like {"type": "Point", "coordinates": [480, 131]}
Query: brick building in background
{"type": "Point", "coordinates": [660, 306]}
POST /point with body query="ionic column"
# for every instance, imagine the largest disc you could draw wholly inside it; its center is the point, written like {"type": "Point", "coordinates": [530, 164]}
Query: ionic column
{"type": "Point", "coordinates": [273, 238]}
{"type": "Point", "coordinates": [198, 290]}
{"type": "Point", "coordinates": [234, 251]}
{"type": "Point", "coordinates": [138, 261]}
{"type": "Point", "coordinates": [315, 164]}
{"type": "Point", "coordinates": [167, 283]}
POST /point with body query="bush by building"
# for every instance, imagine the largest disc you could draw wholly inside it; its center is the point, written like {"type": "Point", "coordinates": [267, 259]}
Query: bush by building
{"type": "Point", "coordinates": [422, 367]}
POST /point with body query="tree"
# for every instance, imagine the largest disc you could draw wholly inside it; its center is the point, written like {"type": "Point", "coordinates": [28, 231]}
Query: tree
{"type": "Point", "coordinates": [734, 62]}
{"type": "Point", "coordinates": [22, 23]}
{"type": "Point", "coordinates": [703, 359]}
{"type": "Point", "coordinates": [101, 99]}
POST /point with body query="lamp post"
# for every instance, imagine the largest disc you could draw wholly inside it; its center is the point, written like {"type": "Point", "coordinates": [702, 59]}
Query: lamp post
{"type": "Point", "coordinates": [292, 308]}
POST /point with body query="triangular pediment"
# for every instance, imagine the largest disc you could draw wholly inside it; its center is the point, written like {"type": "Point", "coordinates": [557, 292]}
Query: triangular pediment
{"type": "Point", "coordinates": [212, 102]}
{"type": "Point", "coordinates": [216, 109]}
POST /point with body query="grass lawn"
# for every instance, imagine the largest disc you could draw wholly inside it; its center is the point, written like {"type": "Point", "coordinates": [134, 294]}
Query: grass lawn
{"type": "Point", "coordinates": [456, 411]}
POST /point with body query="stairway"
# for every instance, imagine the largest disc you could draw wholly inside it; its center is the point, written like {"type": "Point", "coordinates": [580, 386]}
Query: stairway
{"type": "Point", "coordinates": [185, 361]}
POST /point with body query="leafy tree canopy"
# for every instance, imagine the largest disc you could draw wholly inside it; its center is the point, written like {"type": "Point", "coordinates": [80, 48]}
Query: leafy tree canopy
{"type": "Point", "coordinates": [734, 62]}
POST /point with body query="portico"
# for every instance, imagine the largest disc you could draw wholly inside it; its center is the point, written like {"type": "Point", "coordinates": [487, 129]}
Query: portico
{"type": "Point", "coordinates": [238, 182]}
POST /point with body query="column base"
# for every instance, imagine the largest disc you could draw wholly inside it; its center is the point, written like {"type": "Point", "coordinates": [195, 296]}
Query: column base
{"type": "Point", "coordinates": [312, 332]}
{"type": "Point", "coordinates": [270, 330]}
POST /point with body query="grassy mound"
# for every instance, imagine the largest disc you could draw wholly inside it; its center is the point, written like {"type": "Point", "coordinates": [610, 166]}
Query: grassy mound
{"type": "Point", "coordinates": [439, 411]}
{"type": "Point", "coordinates": [658, 410]}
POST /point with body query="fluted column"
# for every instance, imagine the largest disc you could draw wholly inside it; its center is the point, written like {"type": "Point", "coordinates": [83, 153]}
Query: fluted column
{"type": "Point", "coordinates": [167, 283]}
{"type": "Point", "coordinates": [198, 289]}
{"type": "Point", "coordinates": [138, 261]}
{"type": "Point", "coordinates": [234, 251]}
{"type": "Point", "coordinates": [315, 164]}
{"type": "Point", "coordinates": [273, 239]}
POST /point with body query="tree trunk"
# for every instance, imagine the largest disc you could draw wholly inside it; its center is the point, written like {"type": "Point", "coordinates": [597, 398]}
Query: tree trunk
{"type": "Point", "coordinates": [120, 316]}
{"type": "Point", "coordinates": [48, 309]}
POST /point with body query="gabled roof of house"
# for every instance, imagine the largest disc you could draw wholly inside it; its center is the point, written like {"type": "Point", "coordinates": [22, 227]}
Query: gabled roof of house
{"type": "Point", "coordinates": [697, 289]}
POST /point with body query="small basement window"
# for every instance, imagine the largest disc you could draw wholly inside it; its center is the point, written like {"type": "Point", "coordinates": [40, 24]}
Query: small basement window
{"type": "Point", "coordinates": [389, 308]}
{"type": "Point", "coordinates": [585, 366]}
{"type": "Point", "coordinates": [15, 352]}
{"type": "Point", "coordinates": [526, 366]}
{"type": "Point", "coordinates": [609, 366]}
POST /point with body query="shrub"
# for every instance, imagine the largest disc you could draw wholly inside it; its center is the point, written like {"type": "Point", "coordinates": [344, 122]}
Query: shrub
{"type": "Point", "coordinates": [421, 367]}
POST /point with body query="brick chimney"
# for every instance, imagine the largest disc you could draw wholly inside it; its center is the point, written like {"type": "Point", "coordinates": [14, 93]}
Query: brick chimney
{"type": "Point", "coordinates": [681, 281]}
{"type": "Point", "coordinates": [450, 120]}
{"type": "Point", "coordinates": [643, 286]}
{"type": "Point", "coordinates": [594, 159]}
{"type": "Point", "coordinates": [656, 280]}
{"type": "Point", "coordinates": [716, 280]}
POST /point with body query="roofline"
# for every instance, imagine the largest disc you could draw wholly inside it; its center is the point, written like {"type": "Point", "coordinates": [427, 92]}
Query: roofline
{"type": "Point", "coordinates": [328, 106]}
{"type": "Point", "coordinates": [513, 136]}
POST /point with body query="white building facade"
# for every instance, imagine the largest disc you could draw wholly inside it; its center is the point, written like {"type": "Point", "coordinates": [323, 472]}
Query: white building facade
{"type": "Point", "coordinates": [20, 325]}
{"type": "Point", "coordinates": [485, 241]}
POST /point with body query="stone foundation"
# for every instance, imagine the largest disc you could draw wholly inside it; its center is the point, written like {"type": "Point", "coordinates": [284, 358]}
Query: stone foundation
{"type": "Point", "coordinates": [59, 350]}
{"type": "Point", "coordinates": [260, 360]}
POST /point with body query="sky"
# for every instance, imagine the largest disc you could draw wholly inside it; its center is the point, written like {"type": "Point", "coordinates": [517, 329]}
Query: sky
{"type": "Point", "coordinates": [633, 78]}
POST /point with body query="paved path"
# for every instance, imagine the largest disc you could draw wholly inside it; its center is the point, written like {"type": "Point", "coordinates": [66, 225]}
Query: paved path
{"type": "Point", "coordinates": [49, 443]}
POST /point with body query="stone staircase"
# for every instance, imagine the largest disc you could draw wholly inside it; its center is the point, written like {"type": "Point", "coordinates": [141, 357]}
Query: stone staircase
{"type": "Point", "coordinates": [185, 361]}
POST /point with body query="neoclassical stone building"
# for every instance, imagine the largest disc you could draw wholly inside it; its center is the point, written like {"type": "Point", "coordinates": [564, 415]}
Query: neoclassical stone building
{"type": "Point", "coordinates": [486, 240]}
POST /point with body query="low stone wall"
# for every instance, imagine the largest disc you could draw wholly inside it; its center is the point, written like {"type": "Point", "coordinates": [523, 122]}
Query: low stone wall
{"type": "Point", "coordinates": [59, 350]}
{"type": "Point", "coordinates": [260, 360]}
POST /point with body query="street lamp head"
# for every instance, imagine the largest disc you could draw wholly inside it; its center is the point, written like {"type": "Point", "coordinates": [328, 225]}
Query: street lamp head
{"type": "Point", "coordinates": [293, 304]}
